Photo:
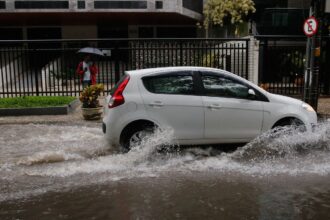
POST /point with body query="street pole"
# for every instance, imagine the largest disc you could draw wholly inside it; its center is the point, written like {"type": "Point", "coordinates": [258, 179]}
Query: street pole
{"type": "Point", "coordinates": [313, 55]}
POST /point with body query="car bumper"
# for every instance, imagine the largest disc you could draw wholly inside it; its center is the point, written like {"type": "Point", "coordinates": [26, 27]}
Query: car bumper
{"type": "Point", "coordinates": [104, 128]}
{"type": "Point", "coordinates": [110, 133]}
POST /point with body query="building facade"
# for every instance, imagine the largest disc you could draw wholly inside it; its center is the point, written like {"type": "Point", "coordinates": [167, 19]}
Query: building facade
{"type": "Point", "coordinates": [280, 17]}
{"type": "Point", "coordinates": [88, 19]}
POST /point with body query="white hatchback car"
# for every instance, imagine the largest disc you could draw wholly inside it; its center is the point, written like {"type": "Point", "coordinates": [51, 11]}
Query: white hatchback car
{"type": "Point", "coordinates": [201, 105]}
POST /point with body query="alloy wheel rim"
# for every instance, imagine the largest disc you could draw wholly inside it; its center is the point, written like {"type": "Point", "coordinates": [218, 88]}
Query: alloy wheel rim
{"type": "Point", "coordinates": [138, 137]}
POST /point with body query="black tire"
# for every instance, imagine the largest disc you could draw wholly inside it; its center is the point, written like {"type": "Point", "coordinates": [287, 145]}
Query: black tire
{"type": "Point", "coordinates": [138, 133]}
{"type": "Point", "coordinates": [291, 122]}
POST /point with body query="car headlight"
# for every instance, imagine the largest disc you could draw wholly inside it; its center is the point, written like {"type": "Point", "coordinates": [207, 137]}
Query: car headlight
{"type": "Point", "coordinates": [307, 107]}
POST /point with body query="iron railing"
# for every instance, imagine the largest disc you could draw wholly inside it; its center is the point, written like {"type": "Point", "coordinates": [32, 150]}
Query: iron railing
{"type": "Point", "coordinates": [47, 67]}
{"type": "Point", "coordinates": [282, 64]}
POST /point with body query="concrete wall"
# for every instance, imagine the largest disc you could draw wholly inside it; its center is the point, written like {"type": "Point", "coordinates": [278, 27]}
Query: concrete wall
{"type": "Point", "coordinates": [254, 60]}
{"type": "Point", "coordinates": [327, 6]}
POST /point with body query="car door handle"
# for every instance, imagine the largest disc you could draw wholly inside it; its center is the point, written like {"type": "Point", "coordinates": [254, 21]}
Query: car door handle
{"type": "Point", "coordinates": [156, 104]}
{"type": "Point", "coordinates": [214, 106]}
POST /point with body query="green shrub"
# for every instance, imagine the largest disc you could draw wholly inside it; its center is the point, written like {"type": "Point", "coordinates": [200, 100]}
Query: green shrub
{"type": "Point", "coordinates": [89, 96]}
{"type": "Point", "coordinates": [35, 101]}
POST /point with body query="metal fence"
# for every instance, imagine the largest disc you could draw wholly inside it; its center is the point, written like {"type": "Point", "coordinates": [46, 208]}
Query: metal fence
{"type": "Point", "coordinates": [47, 67]}
{"type": "Point", "coordinates": [282, 64]}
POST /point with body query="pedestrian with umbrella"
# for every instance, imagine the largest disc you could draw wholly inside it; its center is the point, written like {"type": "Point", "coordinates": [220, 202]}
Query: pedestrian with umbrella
{"type": "Point", "coordinates": [87, 69]}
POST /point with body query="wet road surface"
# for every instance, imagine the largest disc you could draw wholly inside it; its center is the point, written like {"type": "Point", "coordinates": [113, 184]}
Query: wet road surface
{"type": "Point", "coordinates": [62, 171]}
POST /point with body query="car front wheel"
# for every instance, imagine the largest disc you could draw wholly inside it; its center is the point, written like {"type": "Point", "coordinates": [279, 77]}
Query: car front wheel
{"type": "Point", "coordinates": [291, 122]}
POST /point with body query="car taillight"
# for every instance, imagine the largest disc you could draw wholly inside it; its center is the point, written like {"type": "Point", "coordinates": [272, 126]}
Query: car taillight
{"type": "Point", "coordinates": [117, 97]}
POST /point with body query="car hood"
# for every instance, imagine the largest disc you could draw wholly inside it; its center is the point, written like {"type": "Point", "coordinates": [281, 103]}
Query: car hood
{"type": "Point", "coordinates": [283, 99]}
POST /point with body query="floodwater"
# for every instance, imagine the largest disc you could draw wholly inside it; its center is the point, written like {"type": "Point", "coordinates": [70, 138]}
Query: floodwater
{"type": "Point", "coordinates": [62, 171]}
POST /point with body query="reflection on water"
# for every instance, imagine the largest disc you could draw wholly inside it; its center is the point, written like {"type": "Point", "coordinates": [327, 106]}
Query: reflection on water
{"type": "Point", "coordinates": [60, 171]}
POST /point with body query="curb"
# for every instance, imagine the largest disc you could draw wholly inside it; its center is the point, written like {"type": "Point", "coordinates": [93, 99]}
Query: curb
{"type": "Point", "coordinates": [59, 110]}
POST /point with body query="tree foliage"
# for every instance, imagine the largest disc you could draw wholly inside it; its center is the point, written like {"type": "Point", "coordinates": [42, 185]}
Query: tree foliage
{"type": "Point", "coordinates": [216, 12]}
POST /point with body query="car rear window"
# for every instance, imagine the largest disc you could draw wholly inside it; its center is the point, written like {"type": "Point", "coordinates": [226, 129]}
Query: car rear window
{"type": "Point", "coordinates": [170, 84]}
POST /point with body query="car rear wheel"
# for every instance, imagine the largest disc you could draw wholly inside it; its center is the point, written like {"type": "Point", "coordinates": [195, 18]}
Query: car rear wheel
{"type": "Point", "coordinates": [134, 136]}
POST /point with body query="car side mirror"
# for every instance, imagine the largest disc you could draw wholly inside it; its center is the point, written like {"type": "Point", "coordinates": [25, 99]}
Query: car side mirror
{"type": "Point", "coordinates": [251, 93]}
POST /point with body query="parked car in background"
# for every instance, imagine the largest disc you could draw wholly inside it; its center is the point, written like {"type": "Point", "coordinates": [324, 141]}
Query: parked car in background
{"type": "Point", "coordinates": [201, 105]}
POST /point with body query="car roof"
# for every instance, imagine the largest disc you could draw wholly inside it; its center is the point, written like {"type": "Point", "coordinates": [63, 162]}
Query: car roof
{"type": "Point", "coordinates": [145, 72]}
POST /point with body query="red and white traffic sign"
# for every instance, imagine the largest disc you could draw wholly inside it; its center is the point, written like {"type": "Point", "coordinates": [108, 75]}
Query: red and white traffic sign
{"type": "Point", "coordinates": [310, 26]}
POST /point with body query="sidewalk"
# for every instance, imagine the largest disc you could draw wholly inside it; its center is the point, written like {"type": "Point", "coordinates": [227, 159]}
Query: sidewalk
{"type": "Point", "coordinates": [324, 107]}
{"type": "Point", "coordinates": [75, 117]}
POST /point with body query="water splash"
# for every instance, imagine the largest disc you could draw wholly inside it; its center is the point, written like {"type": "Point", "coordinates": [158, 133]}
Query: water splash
{"type": "Point", "coordinates": [286, 143]}
{"type": "Point", "coordinates": [48, 157]}
{"type": "Point", "coordinates": [85, 151]}
{"type": "Point", "coordinates": [137, 158]}
{"type": "Point", "coordinates": [78, 155]}
{"type": "Point", "coordinates": [37, 144]}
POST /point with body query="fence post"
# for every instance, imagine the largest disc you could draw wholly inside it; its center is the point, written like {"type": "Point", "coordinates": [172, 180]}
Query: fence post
{"type": "Point", "coordinates": [254, 67]}
{"type": "Point", "coordinates": [181, 53]}
{"type": "Point", "coordinates": [263, 61]}
{"type": "Point", "coordinates": [313, 51]}
{"type": "Point", "coordinates": [117, 68]}
{"type": "Point", "coordinates": [247, 56]}
{"type": "Point", "coordinates": [35, 68]}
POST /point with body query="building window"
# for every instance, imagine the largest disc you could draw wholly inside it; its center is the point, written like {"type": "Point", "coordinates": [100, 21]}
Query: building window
{"type": "Point", "coordinates": [194, 5]}
{"type": "Point", "coordinates": [120, 4]}
{"type": "Point", "coordinates": [41, 4]}
{"type": "Point", "coordinates": [81, 5]}
{"type": "Point", "coordinates": [146, 32]}
{"type": "Point", "coordinates": [11, 34]}
{"type": "Point", "coordinates": [2, 4]}
{"type": "Point", "coordinates": [176, 32]}
{"type": "Point", "coordinates": [275, 3]}
{"type": "Point", "coordinates": [159, 4]}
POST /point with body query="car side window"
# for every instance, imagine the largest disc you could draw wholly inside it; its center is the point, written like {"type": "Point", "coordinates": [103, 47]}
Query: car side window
{"type": "Point", "coordinates": [224, 87]}
{"type": "Point", "coordinates": [170, 84]}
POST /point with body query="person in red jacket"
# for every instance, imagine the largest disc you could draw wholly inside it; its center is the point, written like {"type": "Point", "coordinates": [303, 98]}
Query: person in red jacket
{"type": "Point", "coordinates": [87, 71]}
